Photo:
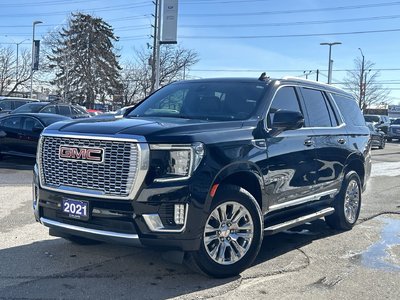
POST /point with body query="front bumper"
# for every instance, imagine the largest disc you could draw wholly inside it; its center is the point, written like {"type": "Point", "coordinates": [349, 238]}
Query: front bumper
{"type": "Point", "coordinates": [126, 222]}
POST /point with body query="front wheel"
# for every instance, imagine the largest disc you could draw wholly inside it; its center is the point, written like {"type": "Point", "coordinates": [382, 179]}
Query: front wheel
{"type": "Point", "coordinates": [232, 234]}
{"type": "Point", "coordinates": [347, 204]}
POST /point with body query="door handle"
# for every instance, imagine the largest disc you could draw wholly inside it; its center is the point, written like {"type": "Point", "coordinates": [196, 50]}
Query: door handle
{"type": "Point", "coordinates": [341, 141]}
{"type": "Point", "coordinates": [308, 143]}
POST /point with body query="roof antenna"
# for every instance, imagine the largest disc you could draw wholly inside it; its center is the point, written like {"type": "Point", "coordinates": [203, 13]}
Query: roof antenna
{"type": "Point", "coordinates": [263, 76]}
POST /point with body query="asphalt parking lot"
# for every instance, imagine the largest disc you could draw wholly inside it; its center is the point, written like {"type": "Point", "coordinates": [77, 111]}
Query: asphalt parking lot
{"type": "Point", "coordinates": [308, 262]}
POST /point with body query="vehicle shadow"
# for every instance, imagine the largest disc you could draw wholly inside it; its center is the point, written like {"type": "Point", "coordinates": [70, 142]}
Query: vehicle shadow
{"type": "Point", "coordinates": [55, 268]}
{"type": "Point", "coordinates": [17, 163]}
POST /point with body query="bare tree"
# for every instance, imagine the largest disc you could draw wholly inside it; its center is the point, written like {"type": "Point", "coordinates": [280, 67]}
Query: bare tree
{"type": "Point", "coordinates": [12, 74]}
{"type": "Point", "coordinates": [175, 63]}
{"type": "Point", "coordinates": [362, 83]}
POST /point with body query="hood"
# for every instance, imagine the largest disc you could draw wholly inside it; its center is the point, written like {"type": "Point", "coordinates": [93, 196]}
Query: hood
{"type": "Point", "coordinates": [175, 130]}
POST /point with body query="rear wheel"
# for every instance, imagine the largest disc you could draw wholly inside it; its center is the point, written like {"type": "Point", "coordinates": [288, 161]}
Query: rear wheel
{"type": "Point", "coordinates": [232, 234]}
{"type": "Point", "coordinates": [347, 204]}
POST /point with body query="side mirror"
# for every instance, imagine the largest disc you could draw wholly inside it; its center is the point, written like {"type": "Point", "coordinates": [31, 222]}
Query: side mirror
{"type": "Point", "coordinates": [1, 109]}
{"type": "Point", "coordinates": [287, 120]}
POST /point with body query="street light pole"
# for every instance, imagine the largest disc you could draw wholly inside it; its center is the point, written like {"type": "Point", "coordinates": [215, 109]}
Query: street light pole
{"type": "Point", "coordinates": [33, 50]}
{"type": "Point", "coordinates": [360, 104]}
{"type": "Point", "coordinates": [330, 59]}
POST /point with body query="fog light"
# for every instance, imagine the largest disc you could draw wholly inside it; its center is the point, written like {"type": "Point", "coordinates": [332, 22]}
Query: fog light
{"type": "Point", "coordinates": [35, 195]}
{"type": "Point", "coordinates": [179, 214]}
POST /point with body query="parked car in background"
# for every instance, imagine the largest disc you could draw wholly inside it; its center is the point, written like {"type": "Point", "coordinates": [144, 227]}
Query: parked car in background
{"type": "Point", "coordinates": [379, 121]}
{"type": "Point", "coordinates": [378, 137]}
{"type": "Point", "coordinates": [394, 130]}
{"type": "Point", "coordinates": [94, 112]}
{"type": "Point", "coordinates": [19, 133]}
{"type": "Point", "coordinates": [115, 114]}
{"type": "Point", "coordinates": [69, 110]}
{"type": "Point", "coordinates": [8, 104]}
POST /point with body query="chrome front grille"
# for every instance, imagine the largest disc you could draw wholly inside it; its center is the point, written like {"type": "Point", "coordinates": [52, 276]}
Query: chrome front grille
{"type": "Point", "coordinates": [114, 177]}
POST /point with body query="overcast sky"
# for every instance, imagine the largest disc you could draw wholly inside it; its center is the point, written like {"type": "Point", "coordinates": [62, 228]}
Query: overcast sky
{"type": "Point", "coordinates": [239, 37]}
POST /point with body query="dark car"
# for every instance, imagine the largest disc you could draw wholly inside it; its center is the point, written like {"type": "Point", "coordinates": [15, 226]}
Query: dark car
{"type": "Point", "coordinates": [207, 167]}
{"type": "Point", "coordinates": [379, 121]}
{"type": "Point", "coordinates": [69, 110]}
{"type": "Point", "coordinates": [8, 104]}
{"type": "Point", "coordinates": [19, 133]}
{"type": "Point", "coordinates": [394, 130]}
{"type": "Point", "coordinates": [378, 137]}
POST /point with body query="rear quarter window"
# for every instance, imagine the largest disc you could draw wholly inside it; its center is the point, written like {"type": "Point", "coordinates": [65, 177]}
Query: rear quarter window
{"type": "Point", "coordinates": [350, 111]}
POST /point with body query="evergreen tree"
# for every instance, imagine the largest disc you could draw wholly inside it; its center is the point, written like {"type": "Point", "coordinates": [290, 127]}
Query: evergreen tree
{"type": "Point", "coordinates": [85, 61]}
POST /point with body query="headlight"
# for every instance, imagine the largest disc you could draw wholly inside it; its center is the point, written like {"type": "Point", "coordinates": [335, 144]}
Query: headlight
{"type": "Point", "coordinates": [174, 161]}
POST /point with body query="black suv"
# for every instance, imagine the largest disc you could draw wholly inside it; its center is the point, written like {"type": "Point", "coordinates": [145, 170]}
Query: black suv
{"type": "Point", "coordinates": [208, 167]}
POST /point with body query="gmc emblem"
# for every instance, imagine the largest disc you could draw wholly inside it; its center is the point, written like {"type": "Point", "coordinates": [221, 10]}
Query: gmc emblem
{"type": "Point", "coordinates": [80, 153]}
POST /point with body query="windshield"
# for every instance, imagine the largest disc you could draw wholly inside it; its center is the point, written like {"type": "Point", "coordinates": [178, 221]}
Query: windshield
{"type": "Point", "coordinates": [203, 100]}
{"type": "Point", "coordinates": [371, 119]}
{"type": "Point", "coordinates": [28, 108]}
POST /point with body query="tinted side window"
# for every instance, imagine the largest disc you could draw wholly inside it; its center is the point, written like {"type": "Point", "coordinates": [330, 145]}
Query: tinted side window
{"type": "Point", "coordinates": [6, 105]}
{"type": "Point", "coordinates": [14, 123]}
{"type": "Point", "coordinates": [51, 109]}
{"type": "Point", "coordinates": [64, 110]}
{"type": "Point", "coordinates": [18, 103]}
{"type": "Point", "coordinates": [317, 108]}
{"type": "Point", "coordinates": [77, 111]}
{"type": "Point", "coordinates": [350, 111]}
{"type": "Point", "coordinates": [286, 98]}
{"type": "Point", "coordinates": [29, 123]}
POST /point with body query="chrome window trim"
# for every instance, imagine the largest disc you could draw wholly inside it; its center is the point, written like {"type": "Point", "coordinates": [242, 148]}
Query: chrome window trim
{"type": "Point", "coordinates": [302, 200]}
{"type": "Point", "coordinates": [143, 166]}
{"type": "Point", "coordinates": [299, 85]}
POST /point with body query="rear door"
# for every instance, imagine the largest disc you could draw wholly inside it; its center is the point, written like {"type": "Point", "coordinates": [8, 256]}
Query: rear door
{"type": "Point", "coordinates": [291, 156]}
{"type": "Point", "coordinates": [330, 136]}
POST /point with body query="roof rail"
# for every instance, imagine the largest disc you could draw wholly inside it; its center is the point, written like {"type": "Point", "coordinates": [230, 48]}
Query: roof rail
{"type": "Point", "coordinates": [312, 81]}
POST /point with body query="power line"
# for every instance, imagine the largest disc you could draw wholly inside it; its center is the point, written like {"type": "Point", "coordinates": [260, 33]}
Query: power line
{"type": "Point", "coordinates": [281, 12]}
{"type": "Point", "coordinates": [287, 35]}
{"type": "Point", "coordinates": [292, 23]}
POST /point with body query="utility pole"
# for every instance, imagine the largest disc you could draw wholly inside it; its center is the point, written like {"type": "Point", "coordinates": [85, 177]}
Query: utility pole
{"type": "Point", "coordinates": [360, 103]}
{"type": "Point", "coordinates": [317, 75]}
{"type": "Point", "coordinates": [155, 62]}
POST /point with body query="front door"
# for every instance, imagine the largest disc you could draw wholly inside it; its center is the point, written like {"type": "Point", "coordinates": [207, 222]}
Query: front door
{"type": "Point", "coordinates": [291, 157]}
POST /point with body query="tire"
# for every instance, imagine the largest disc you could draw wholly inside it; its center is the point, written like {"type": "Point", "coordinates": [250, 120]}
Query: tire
{"type": "Point", "coordinates": [347, 204]}
{"type": "Point", "coordinates": [81, 240]}
{"type": "Point", "coordinates": [231, 236]}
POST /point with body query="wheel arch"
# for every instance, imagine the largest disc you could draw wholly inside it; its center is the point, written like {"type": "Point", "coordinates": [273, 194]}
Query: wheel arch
{"type": "Point", "coordinates": [245, 175]}
{"type": "Point", "coordinates": [355, 163]}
